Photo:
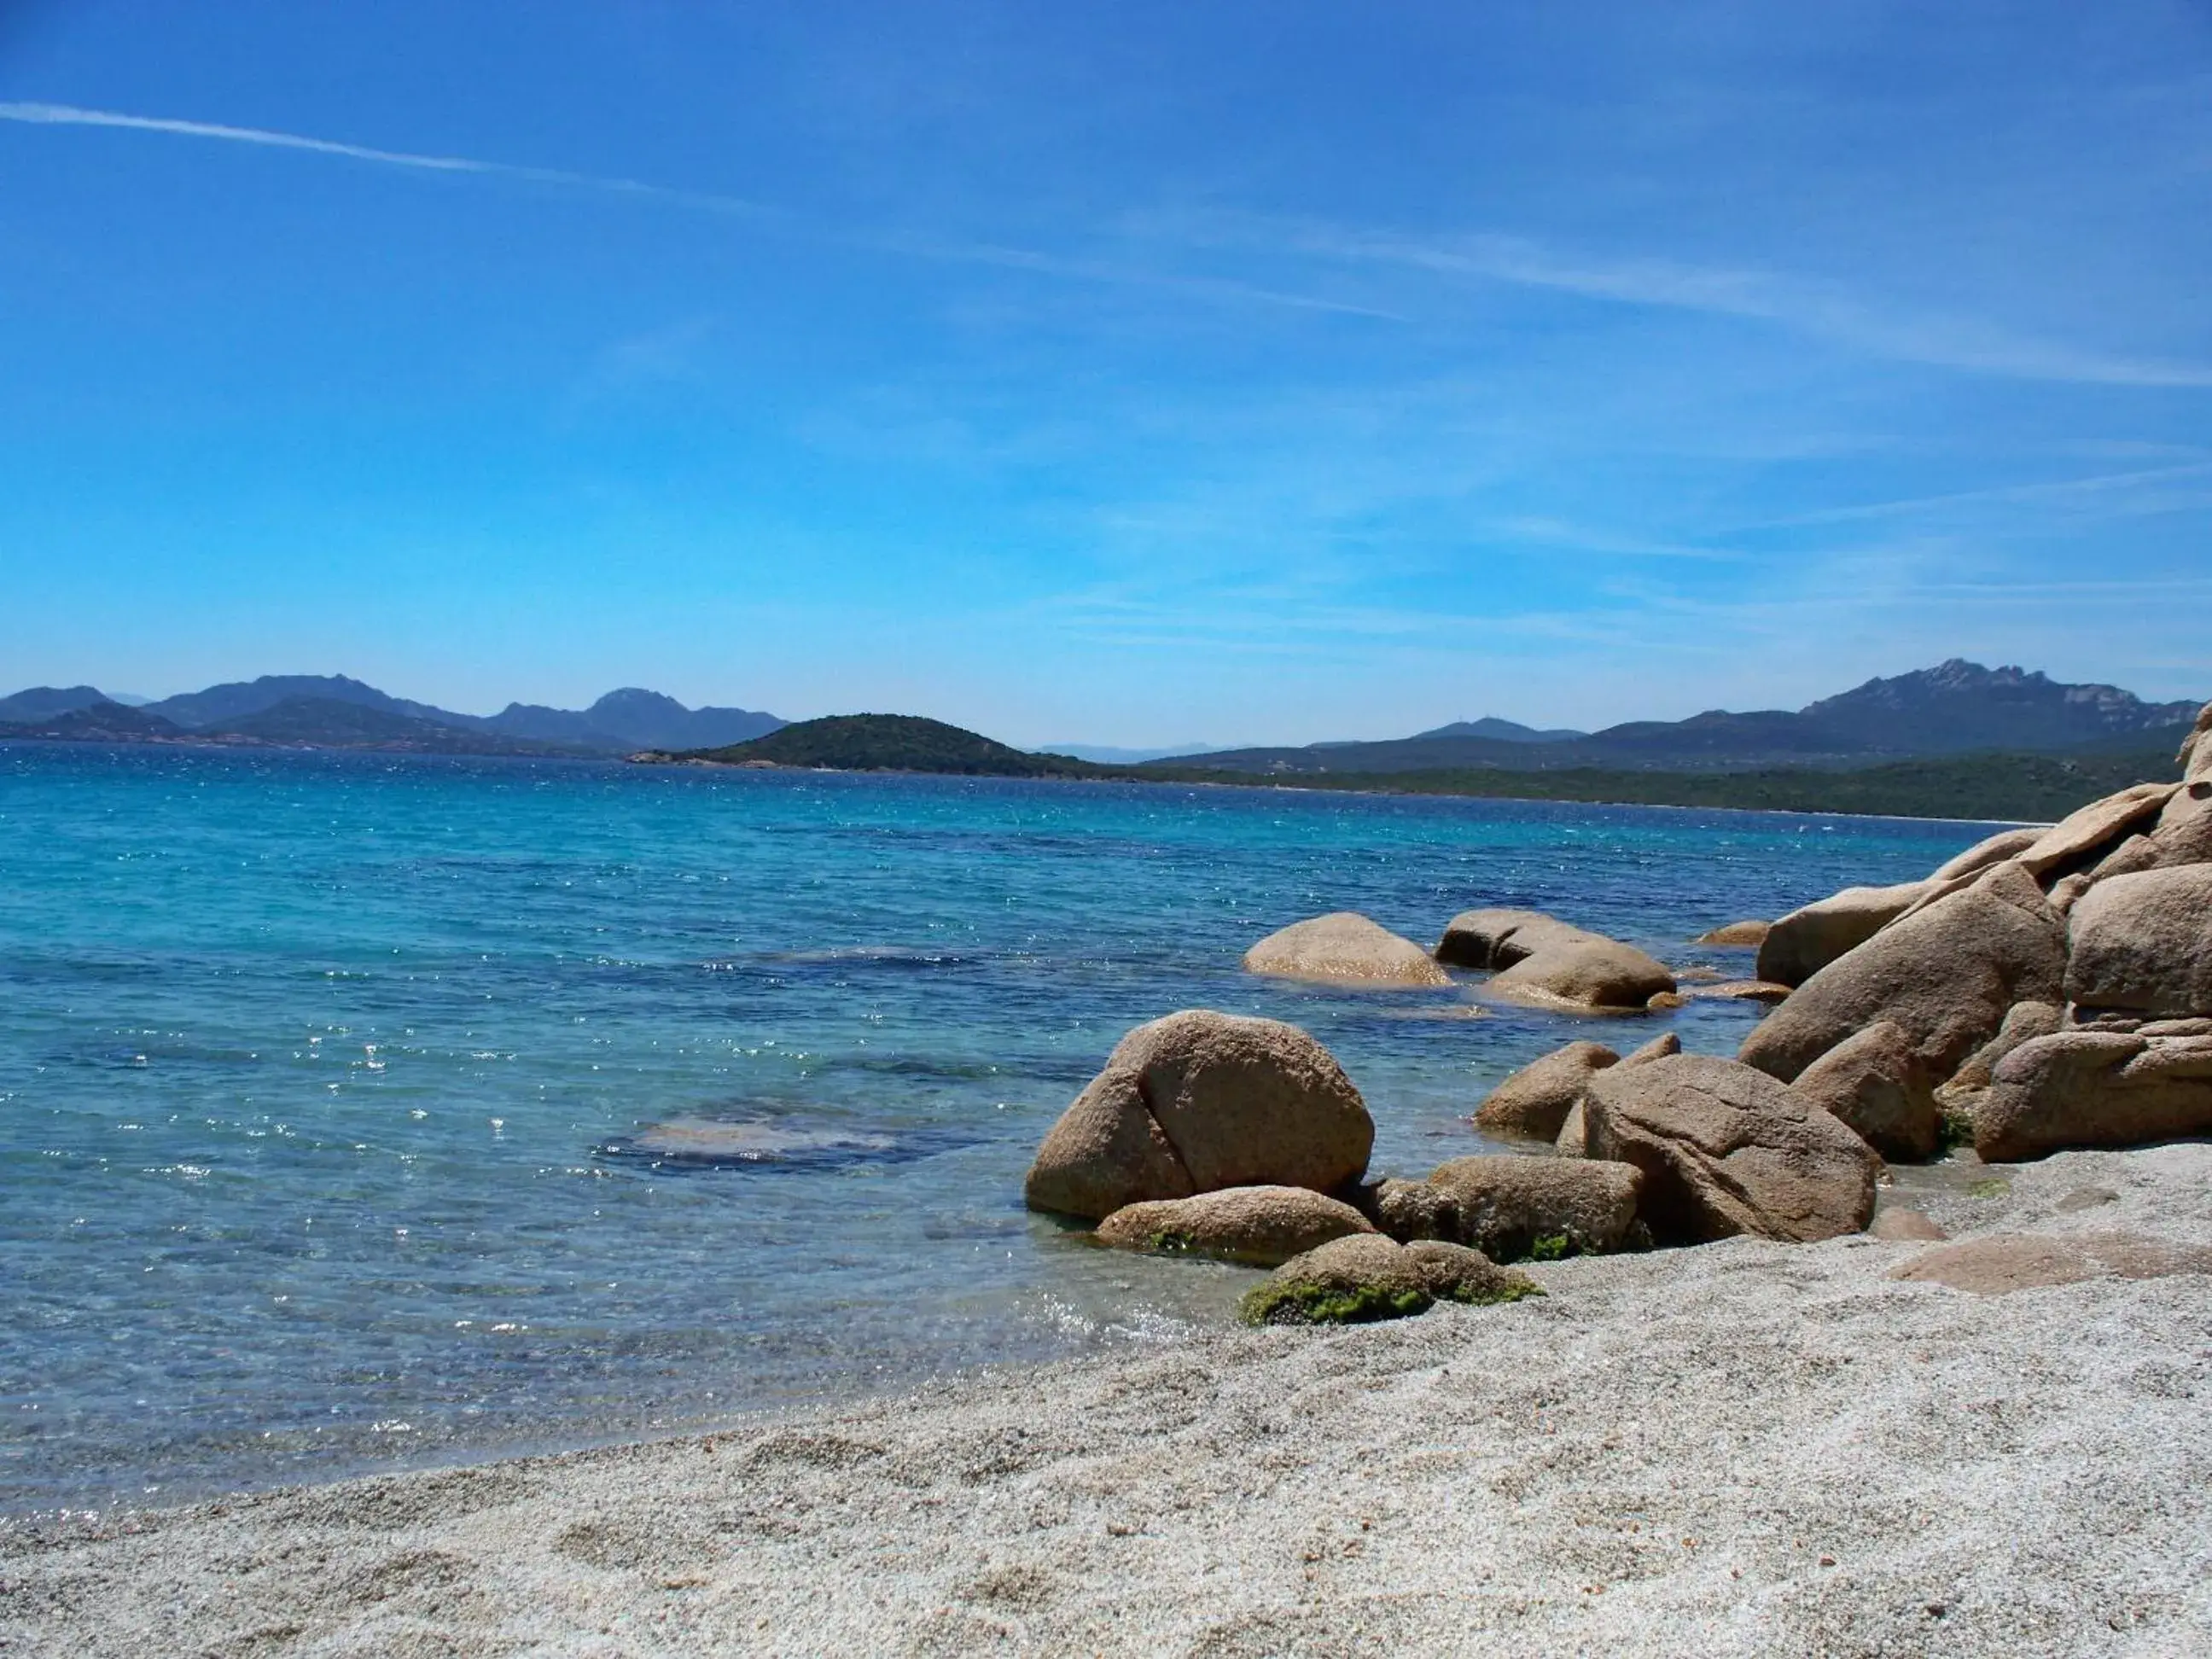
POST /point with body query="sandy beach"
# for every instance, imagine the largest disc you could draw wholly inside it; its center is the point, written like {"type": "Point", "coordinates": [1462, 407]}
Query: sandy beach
{"type": "Point", "coordinates": [1747, 1447]}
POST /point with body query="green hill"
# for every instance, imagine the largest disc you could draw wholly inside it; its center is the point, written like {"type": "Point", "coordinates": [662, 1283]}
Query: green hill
{"type": "Point", "coordinates": [890, 743]}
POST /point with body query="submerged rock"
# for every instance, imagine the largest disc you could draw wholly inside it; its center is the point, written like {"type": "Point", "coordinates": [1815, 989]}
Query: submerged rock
{"type": "Point", "coordinates": [1534, 1101]}
{"type": "Point", "coordinates": [1344, 946]}
{"type": "Point", "coordinates": [1542, 960]}
{"type": "Point", "coordinates": [1197, 1101]}
{"type": "Point", "coordinates": [1726, 1150]}
{"type": "Point", "coordinates": [1260, 1226]}
{"type": "Point", "coordinates": [1601, 975]}
{"type": "Point", "coordinates": [1946, 975]}
{"type": "Point", "coordinates": [1498, 939]}
{"type": "Point", "coordinates": [1366, 1277]}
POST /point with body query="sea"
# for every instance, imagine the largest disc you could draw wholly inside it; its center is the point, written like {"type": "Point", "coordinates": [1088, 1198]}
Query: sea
{"type": "Point", "coordinates": [364, 1111]}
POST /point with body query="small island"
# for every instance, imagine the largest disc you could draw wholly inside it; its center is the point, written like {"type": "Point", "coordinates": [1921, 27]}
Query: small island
{"type": "Point", "coordinates": [886, 743]}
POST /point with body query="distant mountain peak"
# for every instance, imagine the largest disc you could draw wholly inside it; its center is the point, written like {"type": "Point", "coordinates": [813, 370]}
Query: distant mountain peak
{"type": "Point", "coordinates": [1502, 731]}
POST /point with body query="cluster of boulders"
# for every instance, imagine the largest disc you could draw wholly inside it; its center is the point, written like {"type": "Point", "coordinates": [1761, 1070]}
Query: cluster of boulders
{"type": "Point", "coordinates": [1537, 959]}
{"type": "Point", "coordinates": [1242, 1139]}
{"type": "Point", "coordinates": [2043, 989]}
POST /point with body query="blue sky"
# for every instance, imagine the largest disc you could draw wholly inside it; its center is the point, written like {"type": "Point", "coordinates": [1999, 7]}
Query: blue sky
{"type": "Point", "coordinates": [1134, 373]}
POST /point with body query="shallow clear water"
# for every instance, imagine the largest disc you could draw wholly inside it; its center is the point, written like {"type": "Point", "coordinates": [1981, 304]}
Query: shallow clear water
{"type": "Point", "coordinates": [326, 1082]}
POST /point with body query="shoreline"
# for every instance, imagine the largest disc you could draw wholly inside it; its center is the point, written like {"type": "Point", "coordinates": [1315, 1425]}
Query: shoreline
{"type": "Point", "coordinates": [1740, 1448]}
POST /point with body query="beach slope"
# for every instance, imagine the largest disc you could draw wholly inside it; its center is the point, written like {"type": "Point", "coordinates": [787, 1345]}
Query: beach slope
{"type": "Point", "coordinates": [1743, 1448]}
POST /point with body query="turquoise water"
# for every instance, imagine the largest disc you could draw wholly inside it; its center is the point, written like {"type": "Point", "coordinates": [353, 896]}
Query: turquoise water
{"type": "Point", "coordinates": [319, 1074]}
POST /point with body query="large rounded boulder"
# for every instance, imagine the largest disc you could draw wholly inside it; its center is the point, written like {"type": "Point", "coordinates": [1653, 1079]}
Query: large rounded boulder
{"type": "Point", "coordinates": [1345, 947]}
{"type": "Point", "coordinates": [1944, 974]}
{"type": "Point", "coordinates": [1726, 1150]}
{"type": "Point", "coordinates": [1197, 1101]}
{"type": "Point", "coordinates": [2142, 943]}
{"type": "Point", "coordinates": [1258, 1227]}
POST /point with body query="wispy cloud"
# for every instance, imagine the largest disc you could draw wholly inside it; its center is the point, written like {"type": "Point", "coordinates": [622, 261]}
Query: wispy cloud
{"type": "Point", "coordinates": [1806, 304]}
{"type": "Point", "coordinates": [764, 216]}
{"type": "Point", "coordinates": [2118, 493]}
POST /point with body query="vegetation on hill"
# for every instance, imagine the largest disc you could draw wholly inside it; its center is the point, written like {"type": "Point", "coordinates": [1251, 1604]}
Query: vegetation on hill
{"type": "Point", "coordinates": [892, 743]}
{"type": "Point", "coordinates": [2026, 788]}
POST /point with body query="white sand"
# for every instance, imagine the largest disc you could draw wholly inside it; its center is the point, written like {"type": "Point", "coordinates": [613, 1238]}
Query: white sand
{"type": "Point", "coordinates": [1747, 1449]}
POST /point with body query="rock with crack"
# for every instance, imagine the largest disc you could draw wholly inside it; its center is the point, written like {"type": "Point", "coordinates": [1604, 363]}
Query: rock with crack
{"type": "Point", "coordinates": [1946, 975]}
{"type": "Point", "coordinates": [1363, 1278]}
{"type": "Point", "coordinates": [1726, 1150]}
{"type": "Point", "coordinates": [2088, 1088]}
{"type": "Point", "coordinates": [1346, 948]}
{"type": "Point", "coordinates": [1199, 1101]}
{"type": "Point", "coordinates": [1258, 1226]}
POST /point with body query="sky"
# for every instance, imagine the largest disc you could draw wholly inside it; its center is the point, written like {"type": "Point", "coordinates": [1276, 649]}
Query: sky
{"type": "Point", "coordinates": [1141, 374]}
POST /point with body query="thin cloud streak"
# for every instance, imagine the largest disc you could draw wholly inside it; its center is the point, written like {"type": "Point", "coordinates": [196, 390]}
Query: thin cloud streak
{"type": "Point", "coordinates": [2056, 490]}
{"type": "Point", "coordinates": [958, 252]}
{"type": "Point", "coordinates": [1810, 307]}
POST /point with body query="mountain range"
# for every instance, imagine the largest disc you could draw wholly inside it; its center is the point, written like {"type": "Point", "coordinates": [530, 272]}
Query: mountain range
{"type": "Point", "coordinates": [1955, 708]}
{"type": "Point", "coordinates": [331, 711]}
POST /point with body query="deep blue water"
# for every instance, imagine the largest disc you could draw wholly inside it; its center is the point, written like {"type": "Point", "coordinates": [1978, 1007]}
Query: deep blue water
{"type": "Point", "coordinates": [319, 1074]}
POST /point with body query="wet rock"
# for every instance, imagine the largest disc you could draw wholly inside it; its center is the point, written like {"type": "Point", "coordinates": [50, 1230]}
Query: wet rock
{"type": "Point", "coordinates": [1344, 946]}
{"type": "Point", "coordinates": [2001, 1263]}
{"type": "Point", "coordinates": [1946, 975]}
{"type": "Point", "coordinates": [1743, 990]}
{"type": "Point", "coordinates": [1365, 1277]}
{"type": "Point", "coordinates": [1199, 1101]}
{"type": "Point", "coordinates": [2142, 944]}
{"type": "Point", "coordinates": [1874, 1081]}
{"type": "Point", "coordinates": [2094, 1089]}
{"type": "Point", "coordinates": [1593, 974]}
{"type": "Point", "coordinates": [1726, 1150]}
{"type": "Point", "coordinates": [1542, 960]}
{"type": "Point", "coordinates": [1534, 1101]}
{"type": "Point", "coordinates": [1260, 1226]}
{"type": "Point", "coordinates": [1500, 937]}
{"type": "Point", "coordinates": [1808, 940]}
